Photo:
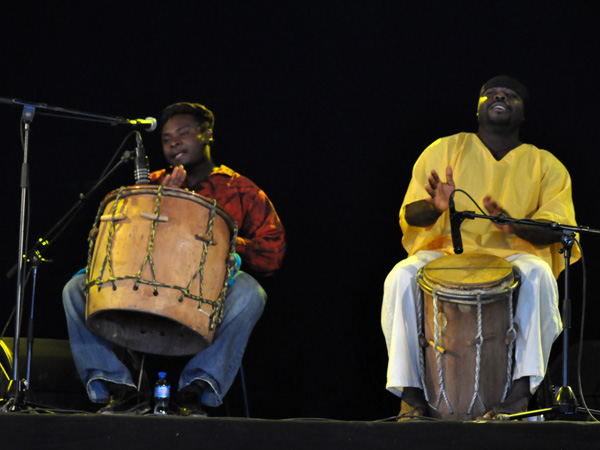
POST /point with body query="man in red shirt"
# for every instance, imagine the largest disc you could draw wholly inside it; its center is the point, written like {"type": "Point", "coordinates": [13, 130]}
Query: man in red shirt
{"type": "Point", "coordinates": [187, 135]}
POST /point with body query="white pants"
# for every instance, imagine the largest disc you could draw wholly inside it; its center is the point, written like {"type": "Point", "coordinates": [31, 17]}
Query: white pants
{"type": "Point", "coordinates": [537, 320]}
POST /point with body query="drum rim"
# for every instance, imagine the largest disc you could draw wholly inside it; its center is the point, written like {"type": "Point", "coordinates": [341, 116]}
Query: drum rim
{"type": "Point", "coordinates": [150, 189]}
{"type": "Point", "coordinates": [505, 269]}
{"type": "Point", "coordinates": [468, 294]}
{"type": "Point", "coordinates": [472, 297]}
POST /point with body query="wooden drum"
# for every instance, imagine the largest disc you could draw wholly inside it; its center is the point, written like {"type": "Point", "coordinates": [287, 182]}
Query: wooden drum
{"type": "Point", "coordinates": [468, 333]}
{"type": "Point", "coordinates": [158, 269]}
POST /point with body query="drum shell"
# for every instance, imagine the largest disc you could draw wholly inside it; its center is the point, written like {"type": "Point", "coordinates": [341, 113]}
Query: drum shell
{"type": "Point", "coordinates": [458, 324]}
{"type": "Point", "coordinates": [132, 314]}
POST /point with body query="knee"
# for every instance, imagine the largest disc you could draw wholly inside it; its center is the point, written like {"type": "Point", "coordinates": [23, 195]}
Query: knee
{"type": "Point", "coordinates": [246, 295]}
{"type": "Point", "coordinates": [535, 269]}
{"type": "Point", "coordinates": [74, 295]}
{"type": "Point", "coordinates": [401, 277]}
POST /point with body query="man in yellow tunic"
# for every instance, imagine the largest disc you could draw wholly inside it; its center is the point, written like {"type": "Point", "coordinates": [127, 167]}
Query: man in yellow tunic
{"type": "Point", "coordinates": [508, 177]}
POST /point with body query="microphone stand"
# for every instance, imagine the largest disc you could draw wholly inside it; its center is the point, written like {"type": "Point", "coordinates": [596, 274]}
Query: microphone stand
{"type": "Point", "coordinates": [149, 123]}
{"type": "Point", "coordinates": [17, 387]}
{"type": "Point", "coordinates": [28, 114]}
{"type": "Point", "coordinates": [565, 401]}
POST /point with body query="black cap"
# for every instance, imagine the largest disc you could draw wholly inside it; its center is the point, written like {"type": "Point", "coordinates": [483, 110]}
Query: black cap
{"type": "Point", "coordinates": [507, 82]}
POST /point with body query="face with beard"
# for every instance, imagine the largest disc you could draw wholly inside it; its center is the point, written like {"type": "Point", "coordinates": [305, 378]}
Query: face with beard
{"type": "Point", "coordinates": [500, 108]}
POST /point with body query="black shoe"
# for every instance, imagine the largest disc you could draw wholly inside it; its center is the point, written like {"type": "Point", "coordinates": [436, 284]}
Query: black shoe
{"type": "Point", "coordinates": [192, 411]}
{"type": "Point", "coordinates": [189, 400]}
{"type": "Point", "coordinates": [131, 403]}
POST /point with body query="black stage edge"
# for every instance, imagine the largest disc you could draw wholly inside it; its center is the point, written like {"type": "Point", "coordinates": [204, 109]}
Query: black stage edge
{"type": "Point", "coordinates": [91, 432]}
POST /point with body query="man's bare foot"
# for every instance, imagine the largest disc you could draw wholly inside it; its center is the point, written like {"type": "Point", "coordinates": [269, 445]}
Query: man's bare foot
{"type": "Point", "coordinates": [507, 408]}
{"type": "Point", "coordinates": [413, 404]}
{"type": "Point", "coordinates": [516, 401]}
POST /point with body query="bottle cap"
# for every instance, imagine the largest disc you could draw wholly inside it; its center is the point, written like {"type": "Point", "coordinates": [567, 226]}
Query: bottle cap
{"type": "Point", "coordinates": [162, 374]}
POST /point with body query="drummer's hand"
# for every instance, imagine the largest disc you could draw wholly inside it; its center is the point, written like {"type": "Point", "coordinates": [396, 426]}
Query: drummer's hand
{"type": "Point", "coordinates": [494, 209]}
{"type": "Point", "coordinates": [440, 191]}
{"type": "Point", "coordinates": [176, 178]}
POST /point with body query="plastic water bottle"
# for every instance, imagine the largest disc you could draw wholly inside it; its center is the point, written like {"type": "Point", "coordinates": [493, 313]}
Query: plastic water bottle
{"type": "Point", "coordinates": [162, 394]}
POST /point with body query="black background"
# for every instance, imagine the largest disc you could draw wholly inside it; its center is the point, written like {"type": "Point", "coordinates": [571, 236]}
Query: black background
{"type": "Point", "coordinates": [326, 106]}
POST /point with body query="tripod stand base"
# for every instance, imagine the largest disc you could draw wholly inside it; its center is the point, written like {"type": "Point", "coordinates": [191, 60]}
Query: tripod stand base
{"type": "Point", "coordinates": [53, 380]}
{"type": "Point", "coordinates": [565, 403]}
{"type": "Point", "coordinates": [15, 399]}
{"type": "Point", "coordinates": [12, 405]}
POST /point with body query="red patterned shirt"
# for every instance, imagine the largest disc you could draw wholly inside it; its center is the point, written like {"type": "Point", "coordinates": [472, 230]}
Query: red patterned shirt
{"type": "Point", "coordinates": [261, 237]}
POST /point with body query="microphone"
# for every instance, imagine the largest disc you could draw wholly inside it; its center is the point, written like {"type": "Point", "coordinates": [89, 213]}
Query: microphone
{"type": "Point", "coordinates": [149, 123]}
{"type": "Point", "coordinates": [142, 169]}
{"type": "Point", "coordinates": [455, 221]}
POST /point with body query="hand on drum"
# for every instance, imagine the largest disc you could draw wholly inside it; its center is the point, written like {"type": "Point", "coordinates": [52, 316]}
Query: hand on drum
{"type": "Point", "coordinates": [176, 178]}
{"type": "Point", "coordinates": [440, 191]}
{"type": "Point", "coordinates": [494, 209]}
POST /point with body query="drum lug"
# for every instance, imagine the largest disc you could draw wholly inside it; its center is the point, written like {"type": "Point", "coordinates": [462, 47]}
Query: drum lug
{"type": "Point", "coordinates": [111, 217]}
{"type": "Point", "coordinates": [156, 217]}
{"type": "Point", "coordinates": [205, 238]}
{"type": "Point", "coordinates": [485, 338]}
{"type": "Point", "coordinates": [511, 335]}
{"type": "Point", "coordinates": [438, 348]}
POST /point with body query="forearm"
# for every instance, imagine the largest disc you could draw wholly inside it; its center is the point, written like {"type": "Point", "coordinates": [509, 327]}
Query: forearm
{"type": "Point", "coordinates": [421, 213]}
{"type": "Point", "coordinates": [262, 256]}
{"type": "Point", "coordinates": [537, 235]}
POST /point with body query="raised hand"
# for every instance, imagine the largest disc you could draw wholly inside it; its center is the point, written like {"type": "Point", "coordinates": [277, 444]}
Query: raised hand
{"type": "Point", "coordinates": [439, 191]}
{"type": "Point", "coordinates": [176, 178]}
{"type": "Point", "coordinates": [494, 209]}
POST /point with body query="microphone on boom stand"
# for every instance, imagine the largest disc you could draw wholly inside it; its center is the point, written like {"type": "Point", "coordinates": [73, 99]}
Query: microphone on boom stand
{"type": "Point", "coordinates": [142, 168]}
{"type": "Point", "coordinates": [455, 221]}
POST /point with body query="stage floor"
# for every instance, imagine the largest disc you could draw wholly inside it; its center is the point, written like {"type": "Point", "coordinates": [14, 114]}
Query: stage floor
{"type": "Point", "coordinates": [92, 431]}
{"type": "Point", "coordinates": [70, 424]}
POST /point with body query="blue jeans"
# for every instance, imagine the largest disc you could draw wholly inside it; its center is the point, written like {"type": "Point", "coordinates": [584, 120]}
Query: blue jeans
{"type": "Point", "coordinates": [217, 365]}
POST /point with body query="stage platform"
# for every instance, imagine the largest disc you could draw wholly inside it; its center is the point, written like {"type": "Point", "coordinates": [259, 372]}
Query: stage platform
{"type": "Point", "coordinates": [92, 431]}
{"type": "Point", "coordinates": [67, 421]}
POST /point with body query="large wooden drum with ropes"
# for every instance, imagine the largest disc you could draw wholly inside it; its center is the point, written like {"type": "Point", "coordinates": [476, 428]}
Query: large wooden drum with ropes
{"type": "Point", "coordinates": [158, 267]}
{"type": "Point", "coordinates": [467, 333]}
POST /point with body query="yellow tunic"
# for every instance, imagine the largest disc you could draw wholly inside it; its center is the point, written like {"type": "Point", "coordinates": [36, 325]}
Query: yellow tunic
{"type": "Point", "coordinates": [528, 183]}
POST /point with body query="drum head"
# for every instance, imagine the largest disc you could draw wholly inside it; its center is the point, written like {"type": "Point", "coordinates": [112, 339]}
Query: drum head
{"type": "Point", "coordinates": [468, 271]}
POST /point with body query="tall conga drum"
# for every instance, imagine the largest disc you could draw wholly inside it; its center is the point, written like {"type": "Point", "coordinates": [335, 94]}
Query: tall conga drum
{"type": "Point", "coordinates": [158, 268]}
{"type": "Point", "coordinates": [468, 333]}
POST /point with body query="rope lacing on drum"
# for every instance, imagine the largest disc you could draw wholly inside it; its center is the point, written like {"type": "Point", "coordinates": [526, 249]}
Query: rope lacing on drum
{"type": "Point", "coordinates": [207, 243]}
{"type": "Point", "coordinates": [438, 355]}
{"type": "Point", "coordinates": [93, 234]}
{"type": "Point", "coordinates": [478, 344]}
{"type": "Point", "coordinates": [111, 231]}
{"type": "Point", "coordinates": [511, 335]}
{"type": "Point", "coordinates": [150, 250]}
{"type": "Point", "coordinates": [421, 333]}
{"type": "Point", "coordinates": [216, 305]}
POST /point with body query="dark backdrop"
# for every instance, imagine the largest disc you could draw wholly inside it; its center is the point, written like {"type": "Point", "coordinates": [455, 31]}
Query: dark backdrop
{"type": "Point", "coordinates": [325, 105]}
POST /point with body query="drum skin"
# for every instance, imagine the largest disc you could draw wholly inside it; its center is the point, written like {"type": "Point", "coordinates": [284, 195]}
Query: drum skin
{"type": "Point", "coordinates": [453, 375]}
{"type": "Point", "coordinates": [157, 286]}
